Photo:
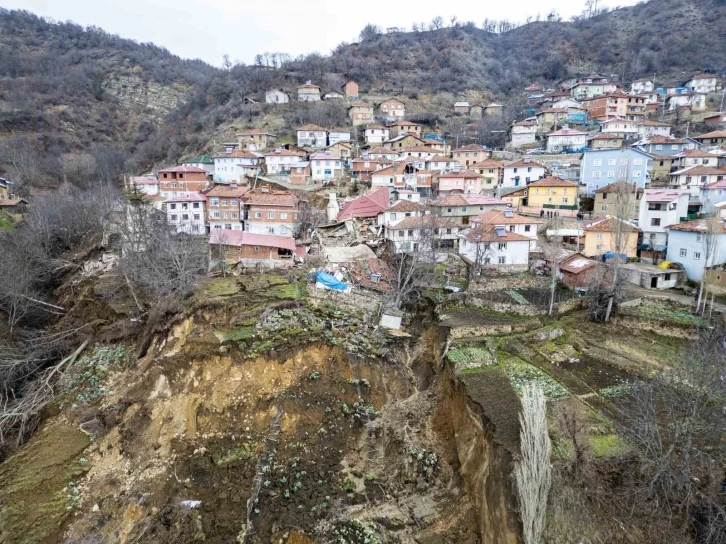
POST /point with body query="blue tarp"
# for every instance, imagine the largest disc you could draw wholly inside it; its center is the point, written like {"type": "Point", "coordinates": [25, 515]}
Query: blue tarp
{"type": "Point", "coordinates": [610, 255]}
{"type": "Point", "coordinates": [330, 282]}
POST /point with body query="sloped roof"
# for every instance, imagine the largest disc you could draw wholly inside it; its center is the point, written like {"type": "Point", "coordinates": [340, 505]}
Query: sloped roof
{"type": "Point", "coordinates": [567, 132]}
{"type": "Point", "coordinates": [487, 163]}
{"type": "Point", "coordinates": [553, 181]}
{"type": "Point", "coordinates": [607, 136]}
{"type": "Point", "coordinates": [228, 191]}
{"type": "Point", "coordinates": [607, 224]}
{"type": "Point", "coordinates": [369, 205]}
{"type": "Point", "coordinates": [714, 134]}
{"type": "Point", "coordinates": [311, 128]}
{"type": "Point", "coordinates": [503, 217]}
{"type": "Point", "coordinates": [664, 195]}
{"type": "Point", "coordinates": [470, 147]}
{"type": "Point", "coordinates": [489, 233]}
{"type": "Point", "coordinates": [427, 221]}
{"type": "Point", "coordinates": [720, 184]}
{"type": "Point", "coordinates": [697, 154]}
{"type": "Point", "coordinates": [462, 174]}
{"type": "Point", "coordinates": [524, 162]}
{"type": "Point", "coordinates": [270, 198]}
{"type": "Point", "coordinates": [237, 154]}
{"type": "Point", "coordinates": [406, 206]}
{"type": "Point", "coordinates": [184, 168]}
{"type": "Point", "coordinates": [700, 225]}
{"type": "Point", "coordinates": [242, 238]}
{"type": "Point", "coordinates": [618, 185]}
{"type": "Point", "coordinates": [700, 171]}
{"type": "Point", "coordinates": [466, 199]}
{"type": "Point", "coordinates": [577, 263]}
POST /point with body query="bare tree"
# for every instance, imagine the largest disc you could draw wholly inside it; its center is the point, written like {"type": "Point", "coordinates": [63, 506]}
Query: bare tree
{"type": "Point", "coordinates": [552, 250]}
{"type": "Point", "coordinates": [709, 229]}
{"type": "Point", "coordinates": [220, 249]}
{"type": "Point", "coordinates": [533, 472]}
{"type": "Point", "coordinates": [436, 23]}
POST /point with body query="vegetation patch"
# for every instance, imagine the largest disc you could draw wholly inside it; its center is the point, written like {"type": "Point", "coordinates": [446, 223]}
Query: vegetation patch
{"type": "Point", "coordinates": [608, 445]}
{"type": "Point", "coordinates": [87, 384]}
{"type": "Point", "coordinates": [521, 374]}
{"type": "Point", "coordinates": [667, 313]}
{"type": "Point", "coordinates": [470, 356]}
{"type": "Point", "coordinates": [222, 287]}
{"type": "Point", "coordinates": [235, 454]}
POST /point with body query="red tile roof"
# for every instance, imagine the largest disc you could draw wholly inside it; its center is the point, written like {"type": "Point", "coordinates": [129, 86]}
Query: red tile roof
{"type": "Point", "coordinates": [498, 217]}
{"type": "Point", "coordinates": [607, 136]}
{"type": "Point", "coordinates": [254, 132]}
{"type": "Point", "coordinates": [406, 206]}
{"type": "Point", "coordinates": [487, 163]}
{"type": "Point", "coordinates": [488, 233]}
{"type": "Point", "coordinates": [700, 171]}
{"type": "Point", "coordinates": [714, 134]}
{"type": "Point", "coordinates": [311, 128]}
{"type": "Point", "coordinates": [194, 197]}
{"type": "Point", "coordinates": [237, 154]}
{"type": "Point", "coordinates": [577, 263]}
{"type": "Point", "coordinates": [607, 224]}
{"type": "Point", "coordinates": [369, 205]}
{"type": "Point", "coordinates": [553, 181]}
{"type": "Point", "coordinates": [462, 174]}
{"type": "Point", "coordinates": [228, 191]}
{"type": "Point", "coordinates": [616, 186]}
{"type": "Point", "coordinates": [470, 147]}
{"type": "Point", "coordinates": [427, 221]}
{"type": "Point", "coordinates": [664, 195]}
{"type": "Point", "coordinates": [241, 238]}
{"type": "Point", "coordinates": [701, 225]}
{"type": "Point", "coordinates": [524, 162]}
{"type": "Point", "coordinates": [184, 168]}
{"type": "Point", "coordinates": [257, 197]}
{"type": "Point", "coordinates": [697, 154]}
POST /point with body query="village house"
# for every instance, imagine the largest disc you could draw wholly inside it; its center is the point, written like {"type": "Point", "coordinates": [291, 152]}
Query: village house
{"type": "Point", "coordinates": [277, 96]}
{"type": "Point", "coordinates": [566, 139]}
{"type": "Point", "coordinates": [664, 145]}
{"type": "Point", "coordinates": [361, 169]}
{"type": "Point", "coordinates": [490, 172]}
{"type": "Point", "coordinates": [300, 172]}
{"type": "Point", "coordinates": [403, 141]}
{"type": "Point", "coordinates": [704, 83]}
{"type": "Point", "coordinates": [464, 181]}
{"type": "Point", "coordinates": [333, 95]}
{"type": "Point", "coordinates": [376, 134]}
{"type": "Point", "coordinates": [360, 113]}
{"type": "Point", "coordinates": [522, 172]}
{"type": "Point", "coordinates": [604, 166]}
{"type": "Point", "coordinates": [278, 162]}
{"type": "Point", "coordinates": [549, 118]}
{"type": "Point", "coordinates": [715, 138]}
{"type": "Point", "coordinates": [255, 140]}
{"type": "Point", "coordinates": [407, 194]}
{"type": "Point", "coordinates": [398, 128]}
{"type": "Point", "coordinates": [469, 154]}
{"type": "Point", "coordinates": [312, 136]}
{"type": "Point", "coordinates": [567, 104]}
{"type": "Point", "coordinates": [252, 250]}
{"type": "Point", "coordinates": [423, 152]}
{"type": "Point", "coordinates": [493, 109]}
{"type": "Point", "coordinates": [224, 207]}
{"type": "Point", "coordinates": [651, 127]}
{"type": "Point", "coordinates": [695, 157]}
{"type": "Point", "coordinates": [495, 247]}
{"type": "Point", "coordinates": [205, 162]}
{"type": "Point", "coordinates": [341, 150]}
{"type": "Point", "coordinates": [712, 194]}
{"type": "Point", "coordinates": [553, 193]}
{"type": "Point", "coordinates": [308, 92]}
{"type": "Point", "coordinates": [326, 166]}
{"type": "Point", "coordinates": [524, 133]}
{"type": "Point", "coordinates": [514, 196]}
{"type": "Point", "coordinates": [688, 245]}
{"type": "Point", "coordinates": [652, 100]}
{"type": "Point", "coordinates": [148, 184]}
{"type": "Point", "coordinates": [611, 200]}
{"type": "Point", "coordinates": [179, 181]}
{"type": "Point", "coordinates": [512, 222]}
{"type": "Point", "coordinates": [437, 142]}
{"type": "Point", "coordinates": [271, 212]}
{"type": "Point", "coordinates": [439, 163]}
{"type": "Point", "coordinates": [402, 176]}
{"type": "Point", "coordinates": [660, 170]}
{"type": "Point", "coordinates": [392, 109]}
{"type": "Point", "coordinates": [461, 108]}
{"type": "Point", "coordinates": [692, 100]}
{"type": "Point", "coordinates": [627, 128]}
{"type": "Point", "coordinates": [476, 111]}
{"type": "Point", "coordinates": [381, 153]}
{"type": "Point", "coordinates": [660, 208]}
{"type": "Point", "coordinates": [578, 271]}
{"type": "Point", "coordinates": [5, 189]}
{"type": "Point", "coordinates": [603, 235]}
{"type": "Point", "coordinates": [420, 233]}
{"type": "Point", "coordinates": [186, 213]}
{"type": "Point", "coordinates": [590, 86]}
{"type": "Point", "coordinates": [461, 208]}
{"type": "Point", "coordinates": [643, 85]}
{"type": "Point", "coordinates": [370, 205]}
{"type": "Point", "coordinates": [233, 166]}
{"type": "Point", "coordinates": [605, 140]}
{"type": "Point", "coordinates": [695, 177]}
{"type": "Point", "coordinates": [400, 210]}
{"type": "Point", "coordinates": [718, 118]}
{"type": "Point", "coordinates": [350, 89]}
{"type": "Point", "coordinates": [618, 105]}
{"type": "Point", "coordinates": [336, 135]}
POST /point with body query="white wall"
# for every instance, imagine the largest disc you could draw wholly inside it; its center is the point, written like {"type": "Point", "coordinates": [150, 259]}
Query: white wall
{"type": "Point", "coordinates": [515, 253]}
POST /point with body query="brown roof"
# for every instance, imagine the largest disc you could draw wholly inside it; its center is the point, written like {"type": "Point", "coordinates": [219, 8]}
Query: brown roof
{"type": "Point", "coordinates": [700, 171]}
{"type": "Point", "coordinates": [521, 163]}
{"type": "Point", "coordinates": [700, 225]}
{"type": "Point", "coordinates": [607, 224]}
{"type": "Point", "coordinates": [714, 134]}
{"type": "Point", "coordinates": [253, 131]}
{"type": "Point", "coordinates": [487, 163]}
{"type": "Point", "coordinates": [697, 153]}
{"type": "Point", "coordinates": [463, 174]}
{"type": "Point", "coordinates": [467, 199]}
{"type": "Point", "coordinates": [607, 136]}
{"type": "Point", "coordinates": [359, 104]}
{"type": "Point", "coordinates": [10, 202]}
{"type": "Point", "coordinates": [525, 123]}
{"type": "Point", "coordinates": [440, 158]}
{"type": "Point", "coordinates": [285, 153]}
{"type": "Point", "coordinates": [488, 233]}
{"type": "Point", "coordinates": [498, 217]}
{"type": "Point", "coordinates": [406, 206]}
{"type": "Point", "coordinates": [308, 86]}
{"type": "Point", "coordinates": [653, 123]}
{"type": "Point", "coordinates": [257, 197]}
{"type": "Point", "coordinates": [228, 191]}
{"type": "Point", "coordinates": [470, 147]}
{"type": "Point", "coordinates": [185, 168]}
{"type": "Point", "coordinates": [237, 154]}
{"type": "Point", "coordinates": [576, 263]}
{"type": "Point", "coordinates": [553, 181]}
{"type": "Point", "coordinates": [403, 123]}
{"type": "Point", "coordinates": [382, 151]}
{"type": "Point", "coordinates": [310, 127]}
{"type": "Point", "coordinates": [616, 186]}
{"type": "Point", "coordinates": [376, 126]}
{"type": "Point", "coordinates": [358, 165]}
{"type": "Point", "coordinates": [419, 148]}
{"type": "Point", "coordinates": [393, 100]}
{"type": "Point", "coordinates": [423, 222]}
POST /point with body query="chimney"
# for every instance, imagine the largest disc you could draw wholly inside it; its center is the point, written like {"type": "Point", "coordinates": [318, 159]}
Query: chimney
{"type": "Point", "coordinates": [333, 208]}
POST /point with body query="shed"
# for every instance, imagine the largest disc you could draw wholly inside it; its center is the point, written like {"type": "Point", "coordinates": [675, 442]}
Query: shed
{"type": "Point", "coordinates": [650, 276]}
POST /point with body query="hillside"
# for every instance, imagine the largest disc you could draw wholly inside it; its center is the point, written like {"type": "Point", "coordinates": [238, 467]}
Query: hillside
{"type": "Point", "coordinates": [65, 89]}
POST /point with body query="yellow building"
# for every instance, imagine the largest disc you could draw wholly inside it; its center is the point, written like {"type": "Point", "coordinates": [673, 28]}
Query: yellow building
{"type": "Point", "coordinates": [553, 193]}
{"type": "Point", "coordinates": [515, 198]}
{"type": "Point", "coordinates": [3, 190]}
{"type": "Point", "coordinates": [610, 200]}
{"type": "Point", "coordinates": [601, 236]}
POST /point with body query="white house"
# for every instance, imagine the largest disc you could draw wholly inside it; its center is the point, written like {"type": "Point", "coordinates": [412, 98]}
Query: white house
{"type": "Point", "coordinates": [439, 163]}
{"type": "Point", "coordinates": [565, 138]}
{"type": "Point", "coordinates": [232, 167]}
{"type": "Point", "coordinates": [392, 109]}
{"type": "Point", "coordinates": [376, 134]}
{"type": "Point", "coordinates": [280, 161]}
{"type": "Point", "coordinates": [381, 154]}
{"type": "Point", "coordinates": [148, 184]}
{"type": "Point", "coordinates": [712, 194]}
{"type": "Point", "coordinates": [416, 233]}
{"type": "Point", "coordinates": [186, 213]}
{"type": "Point", "coordinates": [641, 86]}
{"type": "Point", "coordinates": [627, 128]}
{"type": "Point", "coordinates": [400, 210]}
{"type": "Point", "coordinates": [704, 83]}
{"type": "Point", "coordinates": [660, 208]}
{"type": "Point", "coordinates": [308, 92]}
{"type": "Point", "coordinates": [696, 157]}
{"type": "Point", "coordinates": [651, 127]}
{"type": "Point", "coordinates": [696, 101]}
{"type": "Point", "coordinates": [524, 132]}
{"type": "Point", "coordinates": [205, 162]}
{"type": "Point", "coordinates": [522, 172]}
{"type": "Point", "coordinates": [277, 96]}
{"type": "Point", "coordinates": [565, 104]}
{"type": "Point", "coordinates": [695, 177]}
{"type": "Point", "coordinates": [496, 247]}
{"type": "Point", "coordinates": [338, 135]}
{"type": "Point", "coordinates": [518, 224]}
{"type": "Point", "coordinates": [689, 245]}
{"type": "Point", "coordinates": [312, 136]}
{"type": "Point", "coordinates": [325, 166]}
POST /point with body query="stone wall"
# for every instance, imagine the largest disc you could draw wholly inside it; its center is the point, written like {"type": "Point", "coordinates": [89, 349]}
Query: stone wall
{"type": "Point", "coordinates": [357, 302]}
{"type": "Point", "coordinates": [509, 281]}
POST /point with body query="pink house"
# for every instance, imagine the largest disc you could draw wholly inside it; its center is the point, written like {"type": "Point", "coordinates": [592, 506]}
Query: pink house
{"type": "Point", "coordinates": [459, 182]}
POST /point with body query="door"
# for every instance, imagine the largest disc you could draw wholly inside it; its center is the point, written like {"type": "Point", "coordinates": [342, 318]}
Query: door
{"type": "Point", "coordinates": [654, 282]}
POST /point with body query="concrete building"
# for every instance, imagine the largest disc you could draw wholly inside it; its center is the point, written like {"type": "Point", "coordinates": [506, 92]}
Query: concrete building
{"type": "Point", "coordinates": [604, 166]}
{"type": "Point", "coordinates": [659, 209]}
{"type": "Point", "coordinates": [688, 245]}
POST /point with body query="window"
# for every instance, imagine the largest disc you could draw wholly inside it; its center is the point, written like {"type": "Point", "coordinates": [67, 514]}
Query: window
{"type": "Point", "coordinates": [655, 222]}
{"type": "Point", "coordinates": [699, 237]}
{"type": "Point", "coordinates": [596, 175]}
{"type": "Point", "coordinates": [502, 260]}
{"type": "Point", "coordinates": [448, 231]}
{"type": "Point", "coordinates": [502, 245]}
{"type": "Point", "coordinates": [283, 215]}
{"type": "Point", "coordinates": [270, 230]}
{"type": "Point", "coordinates": [636, 174]}
{"type": "Point", "coordinates": [234, 215]}
{"type": "Point", "coordinates": [674, 147]}
{"type": "Point", "coordinates": [270, 215]}
{"type": "Point", "coordinates": [696, 255]}
{"type": "Point", "coordinates": [172, 206]}
{"type": "Point", "coordinates": [173, 185]}
{"type": "Point", "coordinates": [527, 228]}
{"type": "Point", "coordinates": [638, 162]}
{"type": "Point", "coordinates": [185, 217]}
{"type": "Point", "coordinates": [258, 215]}
{"type": "Point", "coordinates": [599, 236]}
{"type": "Point", "coordinates": [611, 173]}
{"type": "Point", "coordinates": [195, 205]}
{"type": "Point", "coordinates": [511, 228]}
{"type": "Point", "coordinates": [612, 162]}
{"type": "Point", "coordinates": [684, 252]}
{"type": "Point", "coordinates": [400, 233]}
{"type": "Point", "coordinates": [393, 217]}
{"type": "Point", "coordinates": [173, 217]}
{"type": "Point", "coordinates": [224, 203]}
{"type": "Point", "coordinates": [215, 215]}
{"type": "Point", "coordinates": [667, 277]}
{"type": "Point", "coordinates": [658, 147]}
{"type": "Point", "coordinates": [596, 162]}
{"type": "Point", "coordinates": [257, 249]}
{"type": "Point", "coordinates": [224, 215]}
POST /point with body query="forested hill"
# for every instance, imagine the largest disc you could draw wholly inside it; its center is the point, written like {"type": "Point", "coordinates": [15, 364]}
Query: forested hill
{"type": "Point", "coordinates": [65, 89]}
